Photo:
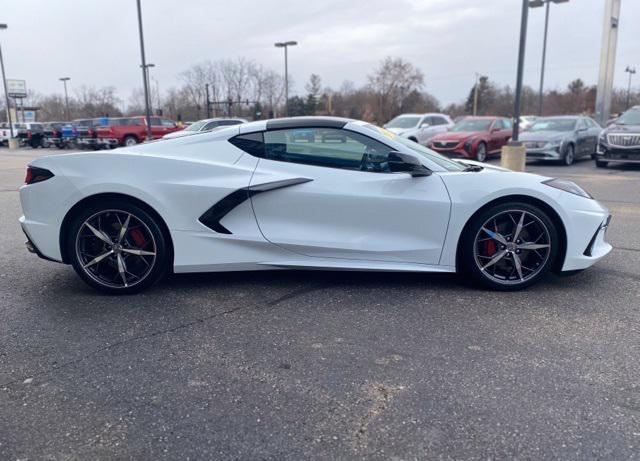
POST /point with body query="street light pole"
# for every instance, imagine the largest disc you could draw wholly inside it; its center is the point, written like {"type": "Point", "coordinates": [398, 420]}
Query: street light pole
{"type": "Point", "coordinates": [144, 73]}
{"type": "Point", "coordinates": [4, 82]}
{"type": "Point", "coordinates": [536, 4]}
{"type": "Point", "coordinates": [66, 96]}
{"type": "Point", "coordinates": [521, 51]}
{"type": "Point", "coordinates": [147, 75]}
{"type": "Point", "coordinates": [631, 71]}
{"type": "Point", "coordinates": [286, 45]}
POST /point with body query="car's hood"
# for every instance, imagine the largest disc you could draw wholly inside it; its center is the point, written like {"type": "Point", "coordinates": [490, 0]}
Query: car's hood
{"type": "Point", "coordinates": [400, 131]}
{"type": "Point", "coordinates": [455, 135]}
{"type": "Point", "coordinates": [615, 128]}
{"type": "Point", "coordinates": [486, 166]}
{"type": "Point", "coordinates": [544, 135]}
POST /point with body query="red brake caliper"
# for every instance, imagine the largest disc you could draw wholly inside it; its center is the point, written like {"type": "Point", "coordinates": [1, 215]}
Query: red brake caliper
{"type": "Point", "coordinates": [490, 247]}
{"type": "Point", "coordinates": [138, 237]}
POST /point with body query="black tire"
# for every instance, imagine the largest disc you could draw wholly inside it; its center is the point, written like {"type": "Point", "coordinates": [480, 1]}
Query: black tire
{"type": "Point", "coordinates": [98, 274]}
{"type": "Point", "coordinates": [481, 152]}
{"type": "Point", "coordinates": [129, 141]}
{"type": "Point", "coordinates": [413, 139]}
{"type": "Point", "coordinates": [569, 155]}
{"type": "Point", "coordinates": [469, 261]}
{"type": "Point", "coordinates": [601, 163]}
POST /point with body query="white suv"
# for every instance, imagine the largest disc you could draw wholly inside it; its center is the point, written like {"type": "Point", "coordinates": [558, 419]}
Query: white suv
{"type": "Point", "coordinates": [419, 127]}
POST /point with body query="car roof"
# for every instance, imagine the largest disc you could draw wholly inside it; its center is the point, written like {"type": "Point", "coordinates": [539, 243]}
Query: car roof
{"type": "Point", "coordinates": [297, 122]}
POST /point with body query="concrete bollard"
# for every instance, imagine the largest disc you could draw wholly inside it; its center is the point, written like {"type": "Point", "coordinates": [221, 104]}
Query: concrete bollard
{"type": "Point", "coordinates": [14, 143]}
{"type": "Point", "coordinates": [513, 156]}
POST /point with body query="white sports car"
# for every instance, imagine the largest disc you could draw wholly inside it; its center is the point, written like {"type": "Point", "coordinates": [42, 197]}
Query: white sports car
{"type": "Point", "coordinates": [302, 193]}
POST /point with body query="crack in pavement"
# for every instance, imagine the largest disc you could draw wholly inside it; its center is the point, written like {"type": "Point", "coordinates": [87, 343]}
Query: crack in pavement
{"type": "Point", "coordinates": [288, 296]}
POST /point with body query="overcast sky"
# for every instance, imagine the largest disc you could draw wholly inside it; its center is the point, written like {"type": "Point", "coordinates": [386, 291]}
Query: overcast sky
{"type": "Point", "coordinates": [95, 42]}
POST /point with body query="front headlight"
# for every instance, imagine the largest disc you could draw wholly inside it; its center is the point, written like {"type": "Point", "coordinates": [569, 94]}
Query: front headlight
{"type": "Point", "coordinates": [555, 143]}
{"type": "Point", "coordinates": [567, 186]}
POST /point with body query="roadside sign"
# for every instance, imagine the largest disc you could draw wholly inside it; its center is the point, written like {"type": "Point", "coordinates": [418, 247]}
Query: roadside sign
{"type": "Point", "coordinates": [16, 88]}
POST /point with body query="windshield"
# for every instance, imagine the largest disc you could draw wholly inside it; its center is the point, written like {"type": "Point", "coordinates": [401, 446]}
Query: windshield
{"type": "Point", "coordinates": [557, 124]}
{"type": "Point", "coordinates": [630, 117]}
{"type": "Point", "coordinates": [436, 158]}
{"type": "Point", "coordinates": [196, 126]}
{"type": "Point", "coordinates": [472, 125]}
{"type": "Point", "coordinates": [403, 122]}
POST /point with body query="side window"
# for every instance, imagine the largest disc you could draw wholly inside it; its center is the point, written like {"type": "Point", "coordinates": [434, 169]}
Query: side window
{"type": "Point", "coordinates": [210, 126]}
{"type": "Point", "coordinates": [581, 125]}
{"type": "Point", "coordinates": [428, 120]}
{"type": "Point", "coordinates": [167, 123]}
{"type": "Point", "coordinates": [327, 147]}
{"type": "Point", "coordinates": [155, 121]}
{"type": "Point", "coordinates": [507, 124]}
{"type": "Point", "coordinates": [498, 125]}
{"type": "Point", "coordinates": [251, 143]}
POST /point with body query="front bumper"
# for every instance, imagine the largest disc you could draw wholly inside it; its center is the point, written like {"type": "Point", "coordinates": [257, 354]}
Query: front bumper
{"type": "Point", "coordinates": [545, 153]}
{"type": "Point", "coordinates": [608, 153]}
{"type": "Point", "coordinates": [455, 152]}
{"type": "Point", "coordinates": [586, 229]}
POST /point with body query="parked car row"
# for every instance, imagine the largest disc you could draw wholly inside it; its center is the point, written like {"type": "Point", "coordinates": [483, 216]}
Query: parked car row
{"type": "Point", "coordinates": [559, 138]}
{"type": "Point", "coordinates": [100, 133]}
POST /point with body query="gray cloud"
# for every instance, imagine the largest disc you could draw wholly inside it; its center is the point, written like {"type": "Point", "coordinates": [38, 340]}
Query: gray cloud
{"type": "Point", "coordinates": [96, 43]}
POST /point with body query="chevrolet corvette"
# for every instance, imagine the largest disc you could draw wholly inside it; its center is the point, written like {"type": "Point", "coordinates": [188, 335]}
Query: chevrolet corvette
{"type": "Point", "coordinates": [302, 193]}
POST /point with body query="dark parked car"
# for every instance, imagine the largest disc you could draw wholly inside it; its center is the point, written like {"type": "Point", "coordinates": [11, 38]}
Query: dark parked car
{"type": "Point", "coordinates": [620, 141]}
{"type": "Point", "coordinates": [563, 138]}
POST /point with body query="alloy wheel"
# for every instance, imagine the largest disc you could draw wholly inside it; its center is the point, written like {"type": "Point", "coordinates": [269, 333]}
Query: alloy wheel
{"type": "Point", "coordinates": [115, 248]}
{"type": "Point", "coordinates": [512, 247]}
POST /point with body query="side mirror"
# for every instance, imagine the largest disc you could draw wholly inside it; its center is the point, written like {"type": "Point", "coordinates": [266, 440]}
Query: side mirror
{"type": "Point", "coordinates": [493, 130]}
{"type": "Point", "coordinates": [425, 125]}
{"type": "Point", "coordinates": [405, 163]}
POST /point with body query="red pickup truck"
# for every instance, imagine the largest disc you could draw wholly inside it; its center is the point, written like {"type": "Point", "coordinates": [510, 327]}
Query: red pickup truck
{"type": "Point", "coordinates": [128, 131]}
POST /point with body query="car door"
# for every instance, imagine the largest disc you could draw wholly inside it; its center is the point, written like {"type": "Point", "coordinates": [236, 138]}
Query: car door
{"type": "Point", "coordinates": [495, 135]}
{"type": "Point", "coordinates": [582, 138]}
{"type": "Point", "coordinates": [334, 197]}
{"type": "Point", "coordinates": [594, 131]}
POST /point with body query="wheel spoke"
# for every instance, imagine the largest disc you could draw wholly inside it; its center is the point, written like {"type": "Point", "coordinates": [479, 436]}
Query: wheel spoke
{"type": "Point", "coordinates": [518, 264]}
{"type": "Point", "coordinates": [122, 269]}
{"type": "Point", "coordinates": [123, 229]}
{"type": "Point", "coordinates": [498, 256]}
{"type": "Point", "coordinates": [516, 234]}
{"type": "Point", "coordinates": [97, 259]}
{"type": "Point", "coordinates": [532, 246]}
{"type": "Point", "coordinates": [495, 236]}
{"type": "Point", "coordinates": [137, 252]}
{"type": "Point", "coordinates": [98, 233]}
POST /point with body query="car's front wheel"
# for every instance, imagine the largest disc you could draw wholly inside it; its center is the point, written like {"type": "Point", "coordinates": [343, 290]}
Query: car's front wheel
{"type": "Point", "coordinates": [481, 152]}
{"type": "Point", "coordinates": [508, 246]}
{"type": "Point", "coordinates": [117, 247]}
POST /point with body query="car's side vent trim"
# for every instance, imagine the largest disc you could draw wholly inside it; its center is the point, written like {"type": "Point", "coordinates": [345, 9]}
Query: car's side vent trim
{"type": "Point", "coordinates": [212, 217]}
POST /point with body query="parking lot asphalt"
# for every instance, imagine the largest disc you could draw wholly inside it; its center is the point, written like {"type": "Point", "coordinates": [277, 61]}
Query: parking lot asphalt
{"type": "Point", "coordinates": [323, 365]}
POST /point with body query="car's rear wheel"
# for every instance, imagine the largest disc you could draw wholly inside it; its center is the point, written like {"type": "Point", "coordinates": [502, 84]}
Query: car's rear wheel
{"type": "Point", "coordinates": [509, 246]}
{"type": "Point", "coordinates": [117, 247]}
{"type": "Point", "coordinates": [130, 141]}
{"type": "Point", "coordinates": [481, 152]}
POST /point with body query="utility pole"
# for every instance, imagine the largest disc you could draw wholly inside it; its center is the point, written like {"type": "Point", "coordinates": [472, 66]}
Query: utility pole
{"type": "Point", "coordinates": [607, 60]}
{"type": "Point", "coordinates": [144, 74]}
{"type": "Point", "coordinates": [537, 4]}
{"type": "Point", "coordinates": [66, 96]}
{"type": "Point", "coordinates": [631, 71]}
{"type": "Point", "coordinates": [206, 88]}
{"type": "Point", "coordinates": [475, 96]}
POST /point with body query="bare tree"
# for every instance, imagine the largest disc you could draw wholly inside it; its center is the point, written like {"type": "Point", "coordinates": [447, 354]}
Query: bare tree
{"type": "Point", "coordinates": [392, 82]}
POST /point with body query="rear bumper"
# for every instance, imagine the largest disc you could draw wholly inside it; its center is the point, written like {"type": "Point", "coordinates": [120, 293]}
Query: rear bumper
{"type": "Point", "coordinates": [110, 142]}
{"type": "Point", "coordinates": [31, 247]}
